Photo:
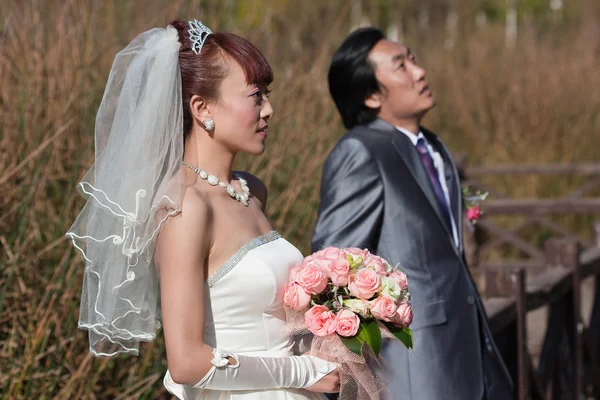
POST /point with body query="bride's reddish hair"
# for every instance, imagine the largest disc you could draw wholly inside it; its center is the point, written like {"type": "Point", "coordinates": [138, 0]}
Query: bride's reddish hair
{"type": "Point", "coordinates": [202, 74]}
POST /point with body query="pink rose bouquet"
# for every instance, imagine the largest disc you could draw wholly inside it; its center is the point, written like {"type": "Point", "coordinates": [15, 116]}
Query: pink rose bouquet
{"type": "Point", "coordinates": [352, 294]}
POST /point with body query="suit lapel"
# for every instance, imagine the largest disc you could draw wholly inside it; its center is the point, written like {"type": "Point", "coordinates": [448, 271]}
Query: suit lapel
{"type": "Point", "coordinates": [411, 158]}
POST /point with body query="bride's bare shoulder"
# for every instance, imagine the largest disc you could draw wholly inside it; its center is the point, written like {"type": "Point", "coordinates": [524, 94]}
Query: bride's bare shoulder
{"type": "Point", "coordinates": [195, 212]}
{"type": "Point", "coordinates": [195, 204]}
{"type": "Point", "coordinates": [186, 237]}
{"type": "Point", "coordinates": [257, 188]}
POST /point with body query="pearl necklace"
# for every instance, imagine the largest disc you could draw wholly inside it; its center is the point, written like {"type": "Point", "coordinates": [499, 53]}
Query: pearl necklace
{"type": "Point", "coordinates": [214, 181]}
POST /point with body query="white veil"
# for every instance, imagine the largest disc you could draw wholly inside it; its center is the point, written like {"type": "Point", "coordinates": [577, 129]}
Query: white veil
{"type": "Point", "coordinates": [132, 188]}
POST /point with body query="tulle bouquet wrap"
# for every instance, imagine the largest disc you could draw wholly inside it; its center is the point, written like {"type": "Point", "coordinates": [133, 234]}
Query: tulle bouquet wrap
{"type": "Point", "coordinates": [350, 299]}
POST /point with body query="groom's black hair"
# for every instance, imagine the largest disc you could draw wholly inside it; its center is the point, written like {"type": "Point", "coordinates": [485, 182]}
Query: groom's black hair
{"type": "Point", "coordinates": [352, 77]}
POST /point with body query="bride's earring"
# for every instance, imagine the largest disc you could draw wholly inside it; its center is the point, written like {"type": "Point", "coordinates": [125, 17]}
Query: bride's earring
{"type": "Point", "coordinates": [209, 124]}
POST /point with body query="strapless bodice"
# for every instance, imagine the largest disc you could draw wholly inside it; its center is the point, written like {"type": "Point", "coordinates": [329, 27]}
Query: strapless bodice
{"type": "Point", "coordinates": [244, 313]}
{"type": "Point", "coordinates": [244, 299]}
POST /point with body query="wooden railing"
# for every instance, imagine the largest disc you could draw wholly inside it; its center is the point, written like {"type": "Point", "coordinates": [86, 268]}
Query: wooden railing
{"type": "Point", "coordinates": [559, 287]}
{"type": "Point", "coordinates": [551, 277]}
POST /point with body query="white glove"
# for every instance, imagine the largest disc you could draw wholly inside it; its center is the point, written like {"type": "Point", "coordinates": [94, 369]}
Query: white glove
{"type": "Point", "coordinates": [257, 373]}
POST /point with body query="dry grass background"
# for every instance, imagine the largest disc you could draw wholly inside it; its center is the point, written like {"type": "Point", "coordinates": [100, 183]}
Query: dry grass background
{"type": "Point", "coordinates": [539, 102]}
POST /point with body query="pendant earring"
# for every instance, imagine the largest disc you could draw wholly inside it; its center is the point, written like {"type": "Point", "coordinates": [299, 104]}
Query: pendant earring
{"type": "Point", "coordinates": [209, 124]}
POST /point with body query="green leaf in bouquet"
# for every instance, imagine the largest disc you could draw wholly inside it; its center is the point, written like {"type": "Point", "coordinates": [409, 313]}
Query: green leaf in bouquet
{"type": "Point", "coordinates": [354, 262]}
{"type": "Point", "coordinates": [371, 335]}
{"type": "Point", "coordinates": [403, 334]}
{"type": "Point", "coordinates": [368, 333]}
{"type": "Point", "coordinates": [353, 344]}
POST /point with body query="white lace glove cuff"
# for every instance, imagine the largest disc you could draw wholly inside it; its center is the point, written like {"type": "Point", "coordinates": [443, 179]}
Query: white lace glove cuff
{"type": "Point", "coordinates": [256, 373]}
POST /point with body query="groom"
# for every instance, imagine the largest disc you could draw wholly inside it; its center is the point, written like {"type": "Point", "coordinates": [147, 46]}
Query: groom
{"type": "Point", "coordinates": [390, 185]}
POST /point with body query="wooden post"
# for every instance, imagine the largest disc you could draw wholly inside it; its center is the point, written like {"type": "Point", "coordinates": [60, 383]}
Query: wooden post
{"type": "Point", "coordinates": [571, 253]}
{"type": "Point", "coordinates": [566, 252]}
{"type": "Point", "coordinates": [519, 287]}
{"type": "Point", "coordinates": [593, 332]}
{"type": "Point", "coordinates": [549, 357]}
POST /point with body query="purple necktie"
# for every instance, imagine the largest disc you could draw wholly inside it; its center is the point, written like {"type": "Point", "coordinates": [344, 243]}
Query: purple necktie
{"type": "Point", "coordinates": [433, 179]}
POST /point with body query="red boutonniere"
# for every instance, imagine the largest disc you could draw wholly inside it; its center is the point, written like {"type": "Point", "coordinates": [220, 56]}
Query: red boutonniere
{"type": "Point", "coordinates": [472, 200]}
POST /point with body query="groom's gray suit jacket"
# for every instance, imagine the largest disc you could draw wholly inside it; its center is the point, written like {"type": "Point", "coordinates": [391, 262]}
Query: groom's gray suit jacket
{"type": "Point", "coordinates": [375, 194]}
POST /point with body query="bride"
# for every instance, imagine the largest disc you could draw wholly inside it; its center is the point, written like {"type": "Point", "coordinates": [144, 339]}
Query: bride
{"type": "Point", "coordinates": [163, 205]}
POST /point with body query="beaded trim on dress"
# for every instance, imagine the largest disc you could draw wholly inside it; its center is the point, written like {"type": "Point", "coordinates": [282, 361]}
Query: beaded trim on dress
{"type": "Point", "coordinates": [241, 253]}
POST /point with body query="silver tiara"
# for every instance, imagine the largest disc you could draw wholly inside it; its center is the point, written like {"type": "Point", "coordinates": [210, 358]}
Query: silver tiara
{"type": "Point", "coordinates": [198, 33]}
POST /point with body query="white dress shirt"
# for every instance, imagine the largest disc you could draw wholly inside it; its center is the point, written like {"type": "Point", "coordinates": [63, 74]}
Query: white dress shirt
{"type": "Point", "coordinates": [438, 163]}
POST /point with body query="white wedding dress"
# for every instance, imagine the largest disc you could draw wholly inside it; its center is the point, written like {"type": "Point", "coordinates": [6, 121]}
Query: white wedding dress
{"type": "Point", "coordinates": [245, 315]}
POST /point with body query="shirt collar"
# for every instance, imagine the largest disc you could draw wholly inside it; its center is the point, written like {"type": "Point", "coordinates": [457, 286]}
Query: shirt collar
{"type": "Point", "coordinates": [413, 138]}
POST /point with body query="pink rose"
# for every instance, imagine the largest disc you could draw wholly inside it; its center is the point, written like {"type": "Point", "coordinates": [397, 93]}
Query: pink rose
{"type": "Point", "coordinates": [325, 257]}
{"type": "Point", "coordinates": [320, 321]}
{"type": "Point", "coordinates": [364, 284]}
{"type": "Point", "coordinates": [311, 278]}
{"type": "Point", "coordinates": [378, 264]}
{"type": "Point", "coordinates": [355, 252]}
{"type": "Point", "coordinates": [474, 213]}
{"type": "Point", "coordinates": [401, 278]}
{"type": "Point", "coordinates": [384, 308]}
{"type": "Point", "coordinates": [339, 271]}
{"type": "Point", "coordinates": [347, 323]}
{"type": "Point", "coordinates": [309, 260]}
{"type": "Point", "coordinates": [294, 273]}
{"type": "Point", "coordinates": [295, 297]}
{"type": "Point", "coordinates": [404, 315]}
{"type": "Point", "coordinates": [330, 253]}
